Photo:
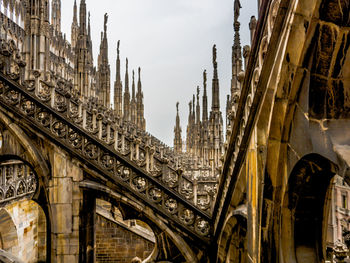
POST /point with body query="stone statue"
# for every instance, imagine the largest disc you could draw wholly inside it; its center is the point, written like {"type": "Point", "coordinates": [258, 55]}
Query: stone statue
{"type": "Point", "coordinates": [214, 54]}
{"type": "Point", "coordinates": [105, 22]}
{"type": "Point", "coordinates": [177, 106]}
{"type": "Point", "coordinates": [118, 44]}
{"type": "Point", "coordinates": [197, 93]}
{"type": "Point", "coordinates": [237, 7]}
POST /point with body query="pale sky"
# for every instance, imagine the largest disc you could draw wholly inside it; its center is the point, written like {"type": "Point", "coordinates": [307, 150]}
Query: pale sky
{"type": "Point", "coordinates": [172, 43]}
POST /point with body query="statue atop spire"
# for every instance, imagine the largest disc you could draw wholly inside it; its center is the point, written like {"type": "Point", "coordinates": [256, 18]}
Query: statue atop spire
{"type": "Point", "coordinates": [197, 93]}
{"type": "Point", "coordinates": [177, 132]}
{"type": "Point", "coordinates": [75, 12]}
{"type": "Point", "coordinates": [127, 116]}
{"type": "Point", "coordinates": [141, 123]}
{"type": "Point", "coordinates": [139, 71]}
{"type": "Point", "coordinates": [214, 56]}
{"type": "Point", "coordinates": [118, 48]}
{"type": "Point", "coordinates": [237, 7]}
{"type": "Point", "coordinates": [205, 98]}
{"type": "Point", "coordinates": [105, 22]}
{"type": "Point", "coordinates": [89, 26]}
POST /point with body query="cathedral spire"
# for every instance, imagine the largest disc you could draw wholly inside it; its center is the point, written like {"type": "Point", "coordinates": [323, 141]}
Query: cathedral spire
{"type": "Point", "coordinates": [236, 62]}
{"type": "Point", "coordinates": [133, 100]}
{"type": "Point", "coordinates": [198, 109]}
{"type": "Point", "coordinates": [215, 84]}
{"type": "Point", "coordinates": [56, 15]}
{"type": "Point", "coordinates": [133, 84]}
{"type": "Point", "coordinates": [177, 132]}
{"type": "Point", "coordinates": [75, 12]}
{"type": "Point", "coordinates": [104, 68]}
{"type": "Point", "coordinates": [82, 17]}
{"type": "Point", "coordinates": [237, 38]}
{"type": "Point", "coordinates": [205, 98]}
{"type": "Point", "coordinates": [118, 86]}
{"type": "Point", "coordinates": [126, 94]}
{"type": "Point", "coordinates": [189, 129]}
{"type": "Point", "coordinates": [215, 120]}
{"type": "Point", "coordinates": [74, 26]}
{"type": "Point", "coordinates": [139, 101]}
{"type": "Point", "coordinates": [194, 109]}
{"type": "Point", "coordinates": [236, 49]}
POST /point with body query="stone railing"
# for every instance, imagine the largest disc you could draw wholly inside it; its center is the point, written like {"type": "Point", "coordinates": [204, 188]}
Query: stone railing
{"type": "Point", "coordinates": [95, 135]}
{"type": "Point", "coordinates": [244, 118]}
{"type": "Point", "coordinates": [16, 181]}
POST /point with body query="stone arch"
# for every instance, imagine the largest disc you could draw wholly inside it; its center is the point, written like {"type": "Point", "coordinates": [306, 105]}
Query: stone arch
{"type": "Point", "coordinates": [27, 152]}
{"type": "Point", "coordinates": [132, 209]}
{"type": "Point", "coordinates": [232, 245]}
{"type": "Point", "coordinates": [8, 232]}
{"type": "Point", "coordinates": [304, 210]}
{"type": "Point", "coordinates": [18, 186]}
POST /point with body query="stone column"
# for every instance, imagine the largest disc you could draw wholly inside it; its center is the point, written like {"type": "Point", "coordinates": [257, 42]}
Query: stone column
{"type": "Point", "coordinates": [253, 202]}
{"type": "Point", "coordinates": [65, 198]}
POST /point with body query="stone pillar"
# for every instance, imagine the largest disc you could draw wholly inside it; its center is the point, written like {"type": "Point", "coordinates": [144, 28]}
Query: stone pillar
{"type": "Point", "coordinates": [65, 198]}
{"type": "Point", "coordinates": [87, 228]}
{"type": "Point", "coordinates": [252, 195]}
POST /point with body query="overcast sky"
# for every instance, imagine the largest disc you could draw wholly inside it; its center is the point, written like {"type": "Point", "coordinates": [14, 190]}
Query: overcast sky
{"type": "Point", "coordinates": [172, 43]}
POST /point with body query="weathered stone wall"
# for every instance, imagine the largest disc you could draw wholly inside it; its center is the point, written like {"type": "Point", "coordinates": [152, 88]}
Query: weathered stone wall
{"type": "Point", "coordinates": [116, 244]}
{"type": "Point", "coordinates": [20, 231]}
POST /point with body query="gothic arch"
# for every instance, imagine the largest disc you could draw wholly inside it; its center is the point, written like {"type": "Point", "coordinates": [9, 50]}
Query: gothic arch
{"type": "Point", "coordinates": [131, 209]}
{"type": "Point", "coordinates": [232, 245]}
{"type": "Point", "coordinates": [304, 211]}
{"type": "Point", "coordinates": [32, 157]}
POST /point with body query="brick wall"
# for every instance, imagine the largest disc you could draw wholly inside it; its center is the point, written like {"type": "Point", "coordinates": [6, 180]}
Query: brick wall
{"type": "Point", "coordinates": [116, 244]}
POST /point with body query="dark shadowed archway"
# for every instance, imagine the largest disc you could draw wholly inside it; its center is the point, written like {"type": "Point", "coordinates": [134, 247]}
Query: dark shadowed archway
{"type": "Point", "coordinates": [305, 210]}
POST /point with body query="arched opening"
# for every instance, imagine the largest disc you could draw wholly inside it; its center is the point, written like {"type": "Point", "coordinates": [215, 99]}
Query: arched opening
{"type": "Point", "coordinates": [233, 240]}
{"type": "Point", "coordinates": [122, 240]}
{"type": "Point", "coordinates": [23, 231]}
{"type": "Point", "coordinates": [23, 225]}
{"type": "Point", "coordinates": [305, 210]}
{"type": "Point", "coordinates": [8, 233]}
{"type": "Point", "coordinates": [168, 245]}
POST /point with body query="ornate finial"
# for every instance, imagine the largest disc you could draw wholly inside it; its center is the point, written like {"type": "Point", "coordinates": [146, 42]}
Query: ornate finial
{"type": "Point", "coordinates": [139, 72]}
{"type": "Point", "coordinates": [177, 107]}
{"type": "Point", "coordinates": [127, 64]}
{"type": "Point", "coordinates": [118, 44]}
{"type": "Point", "coordinates": [133, 75]}
{"type": "Point", "coordinates": [237, 7]}
{"type": "Point", "coordinates": [105, 22]}
{"type": "Point", "coordinates": [197, 93]}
